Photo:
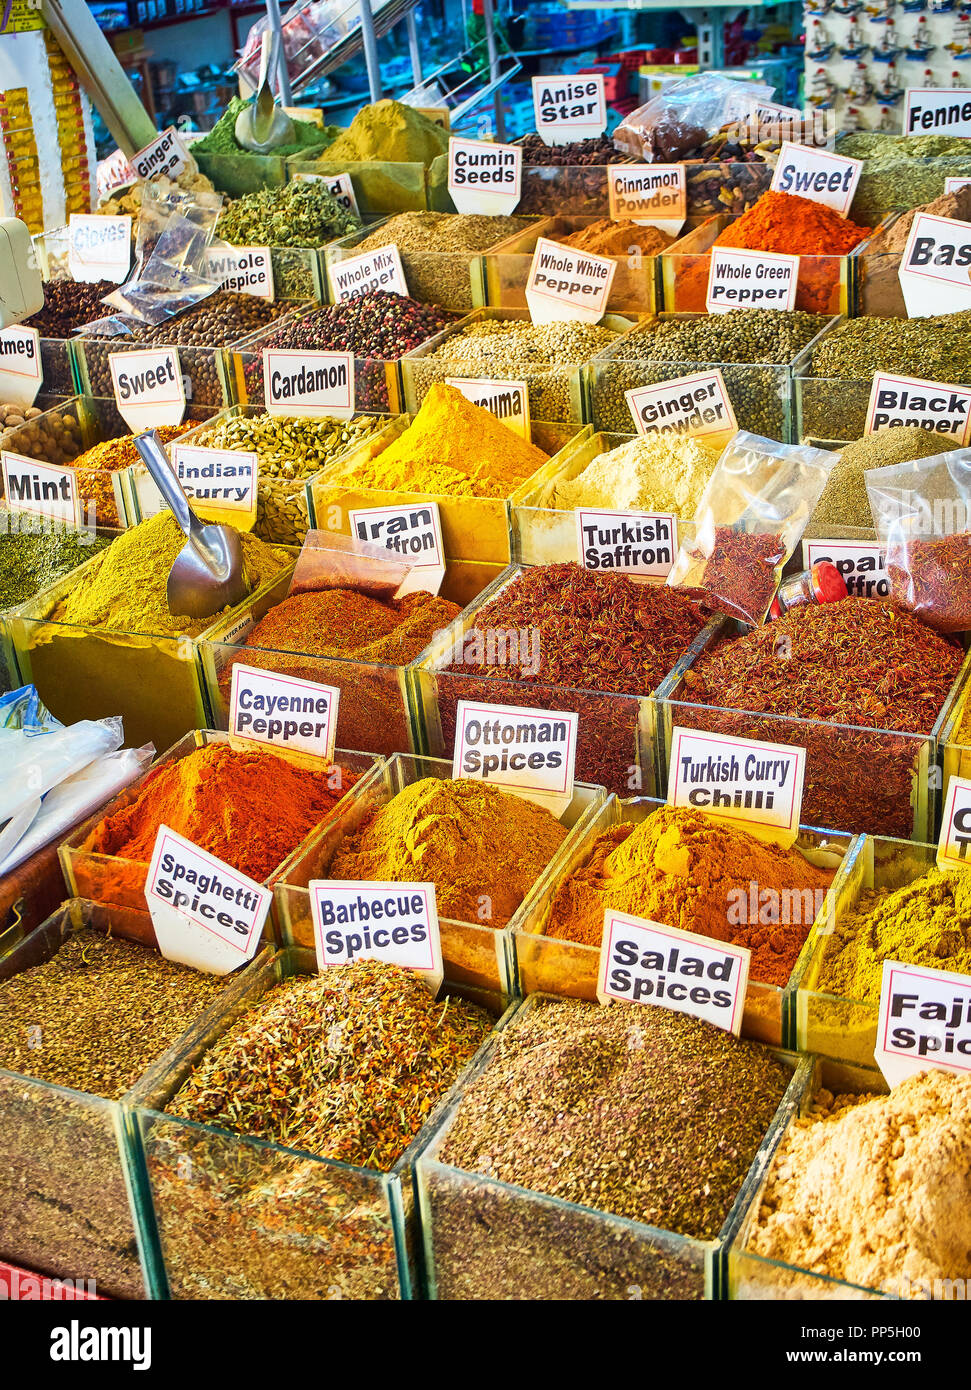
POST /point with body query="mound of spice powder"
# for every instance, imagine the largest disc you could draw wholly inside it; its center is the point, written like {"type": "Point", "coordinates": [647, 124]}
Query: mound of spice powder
{"type": "Point", "coordinates": [684, 870]}
{"type": "Point", "coordinates": [97, 465]}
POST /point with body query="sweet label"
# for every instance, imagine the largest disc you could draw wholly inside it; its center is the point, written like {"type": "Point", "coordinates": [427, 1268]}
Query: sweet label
{"type": "Point", "coordinates": [243, 269]}
{"type": "Point", "coordinates": [412, 532]}
{"type": "Point", "coordinates": [308, 383]}
{"type": "Point", "coordinates": [954, 844]}
{"type": "Point", "coordinates": [569, 108]}
{"type": "Point", "coordinates": [220, 479]}
{"type": "Point", "coordinates": [99, 248]}
{"type": "Point", "coordinates": [643, 543]}
{"type": "Point", "coordinates": [483, 177]}
{"type": "Point", "coordinates": [695, 405]}
{"type": "Point", "coordinates": [148, 385]}
{"type": "Point", "coordinates": [528, 751]}
{"type": "Point", "coordinates": [924, 1021]}
{"type": "Point", "coordinates": [654, 195]}
{"type": "Point", "coordinates": [508, 401]}
{"type": "Point", "coordinates": [928, 405]}
{"type": "Point", "coordinates": [818, 175]}
{"type": "Point", "coordinates": [166, 154]}
{"type": "Point", "coordinates": [751, 280]}
{"type": "Point", "coordinates": [643, 962]}
{"type": "Point", "coordinates": [952, 185]}
{"type": "Point", "coordinates": [944, 110]}
{"type": "Point", "coordinates": [755, 784]}
{"type": "Point", "coordinates": [380, 269]}
{"type": "Point", "coordinates": [862, 566]}
{"type": "Point", "coordinates": [21, 372]}
{"type": "Point", "coordinates": [392, 922]}
{"type": "Point", "coordinates": [40, 488]}
{"type": "Point", "coordinates": [340, 186]}
{"type": "Point", "coordinates": [205, 913]}
{"type": "Point", "coordinates": [564, 283]}
{"type": "Point", "coordinates": [268, 707]}
{"type": "Point", "coordinates": [935, 268]}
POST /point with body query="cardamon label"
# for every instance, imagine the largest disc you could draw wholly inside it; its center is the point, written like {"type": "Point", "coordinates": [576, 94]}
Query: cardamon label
{"type": "Point", "coordinates": [654, 195]}
{"type": "Point", "coordinates": [40, 488]}
{"type": "Point", "coordinates": [393, 922]}
{"type": "Point", "coordinates": [904, 400]}
{"type": "Point", "coordinates": [696, 405]}
{"type": "Point", "coordinates": [412, 532]}
{"type": "Point", "coordinates": [21, 372]}
{"type": "Point", "coordinates": [483, 177]}
{"type": "Point", "coordinates": [862, 567]}
{"type": "Point", "coordinates": [569, 107]}
{"type": "Point", "coordinates": [924, 1021]}
{"type": "Point", "coordinates": [819, 175]}
{"type": "Point", "coordinates": [935, 268]}
{"type": "Point", "coordinates": [166, 154]}
{"type": "Point", "coordinates": [243, 269]}
{"type": "Point", "coordinates": [148, 385]}
{"type": "Point", "coordinates": [508, 401]}
{"type": "Point", "coordinates": [751, 280]}
{"type": "Point", "coordinates": [944, 109]}
{"type": "Point", "coordinates": [99, 248]}
{"type": "Point", "coordinates": [567, 284]}
{"type": "Point", "coordinates": [318, 384]}
{"type": "Point", "coordinates": [756, 784]}
{"type": "Point", "coordinates": [268, 707]}
{"type": "Point", "coordinates": [643, 543]}
{"type": "Point", "coordinates": [531, 752]}
{"type": "Point", "coordinates": [380, 269]}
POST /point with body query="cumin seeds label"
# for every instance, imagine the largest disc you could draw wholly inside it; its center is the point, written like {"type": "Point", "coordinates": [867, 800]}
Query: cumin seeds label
{"type": "Point", "coordinates": [570, 107]}
{"type": "Point", "coordinates": [929, 405]}
{"type": "Point", "coordinates": [393, 922]}
{"type": "Point", "coordinates": [819, 175]}
{"type": "Point", "coordinates": [696, 405]}
{"type": "Point", "coordinates": [148, 385]}
{"type": "Point", "coordinates": [751, 280]}
{"type": "Point", "coordinates": [99, 248]}
{"type": "Point", "coordinates": [527, 751]}
{"type": "Point", "coordinates": [654, 195]}
{"type": "Point", "coordinates": [40, 488]}
{"type": "Point", "coordinates": [380, 269]}
{"type": "Point", "coordinates": [643, 543]}
{"type": "Point", "coordinates": [924, 1021]}
{"type": "Point", "coordinates": [308, 383]}
{"type": "Point", "coordinates": [564, 283]}
{"type": "Point", "coordinates": [269, 707]}
{"type": "Point", "coordinates": [21, 372]}
{"type": "Point", "coordinates": [484, 178]}
{"type": "Point", "coordinates": [757, 785]}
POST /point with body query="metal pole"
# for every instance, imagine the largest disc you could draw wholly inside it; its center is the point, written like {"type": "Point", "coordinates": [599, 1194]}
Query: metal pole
{"type": "Point", "coordinates": [282, 71]}
{"type": "Point", "coordinates": [412, 31]}
{"type": "Point", "coordinates": [487, 15]}
{"type": "Point", "coordinates": [371, 50]}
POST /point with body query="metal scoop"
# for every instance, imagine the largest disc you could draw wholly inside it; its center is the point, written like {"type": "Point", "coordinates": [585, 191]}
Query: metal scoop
{"type": "Point", "coordinates": [208, 572]}
{"type": "Point", "coordinates": [262, 125]}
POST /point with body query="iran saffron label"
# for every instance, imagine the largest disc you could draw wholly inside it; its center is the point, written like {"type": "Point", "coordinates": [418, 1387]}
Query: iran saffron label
{"type": "Point", "coordinates": [412, 532]}
{"type": "Point", "coordinates": [380, 269]}
{"type": "Point", "coordinates": [166, 154]}
{"type": "Point", "coordinates": [528, 751]}
{"type": "Point", "coordinates": [40, 488]}
{"type": "Point", "coordinates": [339, 186]}
{"type": "Point", "coordinates": [758, 785]}
{"type": "Point", "coordinates": [205, 913]}
{"type": "Point", "coordinates": [943, 110]}
{"type": "Point", "coordinates": [954, 843]}
{"type": "Point", "coordinates": [695, 405]}
{"type": "Point", "coordinates": [269, 707]}
{"type": "Point", "coordinates": [928, 405]}
{"type": "Point", "coordinates": [819, 175]}
{"type": "Point", "coordinates": [484, 178]}
{"type": "Point", "coordinates": [935, 268]}
{"type": "Point", "coordinates": [393, 922]}
{"type": "Point", "coordinates": [654, 195]}
{"type": "Point", "coordinates": [148, 385]}
{"type": "Point", "coordinates": [222, 479]}
{"type": "Point", "coordinates": [242, 269]}
{"type": "Point", "coordinates": [924, 1021]}
{"type": "Point", "coordinates": [99, 248]}
{"type": "Point", "coordinates": [508, 401]}
{"type": "Point", "coordinates": [21, 372]}
{"type": "Point", "coordinates": [564, 283]}
{"type": "Point", "coordinates": [644, 962]}
{"type": "Point", "coordinates": [569, 107]}
{"type": "Point", "coordinates": [643, 543]}
{"type": "Point", "coordinates": [862, 566]}
{"type": "Point", "coordinates": [751, 280]}
{"type": "Point", "coordinates": [308, 383]}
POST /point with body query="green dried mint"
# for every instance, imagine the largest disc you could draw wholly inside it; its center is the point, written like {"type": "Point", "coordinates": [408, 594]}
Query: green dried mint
{"type": "Point", "coordinates": [300, 214]}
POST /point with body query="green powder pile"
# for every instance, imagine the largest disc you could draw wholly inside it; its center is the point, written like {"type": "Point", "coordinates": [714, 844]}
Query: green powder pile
{"type": "Point", "coordinates": [33, 559]}
{"type": "Point", "coordinates": [388, 130]}
{"type": "Point", "coordinates": [222, 138]}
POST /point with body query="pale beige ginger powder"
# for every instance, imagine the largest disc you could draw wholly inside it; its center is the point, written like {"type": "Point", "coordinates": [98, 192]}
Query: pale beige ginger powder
{"type": "Point", "coordinates": [876, 1189]}
{"type": "Point", "coordinates": [651, 473]}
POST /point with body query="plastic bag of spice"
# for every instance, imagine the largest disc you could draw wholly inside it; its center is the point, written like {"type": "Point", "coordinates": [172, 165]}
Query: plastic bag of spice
{"type": "Point", "coordinates": [922, 514]}
{"type": "Point", "coordinates": [750, 519]}
{"type": "Point", "coordinates": [680, 118]}
{"type": "Point", "coordinates": [175, 275]}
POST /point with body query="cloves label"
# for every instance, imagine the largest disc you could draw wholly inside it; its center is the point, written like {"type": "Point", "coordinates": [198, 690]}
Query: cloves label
{"type": "Point", "coordinates": [99, 248]}
{"type": "Point", "coordinates": [755, 784]}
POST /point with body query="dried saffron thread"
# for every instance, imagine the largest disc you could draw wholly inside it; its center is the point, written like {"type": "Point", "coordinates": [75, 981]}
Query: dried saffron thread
{"type": "Point", "coordinates": [932, 578]}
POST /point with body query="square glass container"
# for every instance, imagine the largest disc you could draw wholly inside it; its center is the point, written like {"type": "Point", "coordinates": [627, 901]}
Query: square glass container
{"type": "Point", "coordinates": [475, 954]}
{"type": "Point", "coordinates": [203, 368]}
{"type": "Point", "coordinates": [955, 750]}
{"type": "Point", "coordinates": [547, 964]}
{"type": "Point", "coordinates": [876, 289]}
{"type": "Point", "coordinates": [381, 187]}
{"type": "Point", "coordinates": [725, 188]}
{"type": "Point", "coordinates": [242, 1218]}
{"type": "Point", "coordinates": [566, 190]}
{"type": "Point", "coordinates": [487, 1239]}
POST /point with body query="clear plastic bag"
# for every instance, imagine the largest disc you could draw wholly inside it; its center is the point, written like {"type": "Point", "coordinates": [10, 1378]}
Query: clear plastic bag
{"type": "Point", "coordinates": [750, 519]}
{"type": "Point", "coordinates": [31, 763]}
{"type": "Point", "coordinates": [683, 116]}
{"type": "Point", "coordinates": [175, 231]}
{"type": "Point", "coordinates": [922, 514]}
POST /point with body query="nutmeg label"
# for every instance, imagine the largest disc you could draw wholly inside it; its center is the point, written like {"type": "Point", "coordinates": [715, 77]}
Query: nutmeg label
{"type": "Point", "coordinates": [483, 177]}
{"type": "Point", "coordinates": [567, 284]}
{"type": "Point", "coordinates": [308, 383]}
{"type": "Point", "coordinates": [569, 108]}
{"type": "Point", "coordinates": [21, 371]}
{"type": "Point", "coordinates": [149, 387]}
{"type": "Point", "coordinates": [380, 269]}
{"type": "Point", "coordinates": [751, 280]}
{"type": "Point", "coordinates": [99, 247]}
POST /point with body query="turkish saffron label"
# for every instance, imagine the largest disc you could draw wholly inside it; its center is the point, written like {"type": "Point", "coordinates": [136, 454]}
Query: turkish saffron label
{"type": "Point", "coordinates": [393, 922]}
{"type": "Point", "coordinates": [483, 177]}
{"type": "Point", "coordinates": [928, 405]}
{"type": "Point", "coordinates": [243, 269]}
{"type": "Point", "coordinates": [696, 405]}
{"type": "Point", "coordinates": [569, 108]}
{"type": "Point", "coordinates": [943, 110]}
{"type": "Point", "coordinates": [564, 283]}
{"type": "Point", "coordinates": [508, 401]}
{"type": "Point", "coordinates": [935, 268]}
{"type": "Point", "coordinates": [21, 372]}
{"type": "Point", "coordinates": [380, 269]}
{"type": "Point", "coordinates": [528, 751]}
{"type": "Point", "coordinates": [954, 842]}
{"type": "Point", "coordinates": [751, 280]}
{"type": "Point", "coordinates": [924, 1021]}
{"type": "Point", "coordinates": [653, 195]}
{"type": "Point", "coordinates": [643, 543]}
{"type": "Point", "coordinates": [339, 186]}
{"type": "Point", "coordinates": [99, 248]}
{"type": "Point", "coordinates": [755, 784]}
{"type": "Point", "coordinates": [644, 962]}
{"type": "Point", "coordinates": [862, 566]}
{"type": "Point", "coordinates": [819, 175]}
{"type": "Point", "coordinates": [166, 154]}
{"type": "Point", "coordinates": [412, 532]}
{"type": "Point", "coordinates": [318, 384]}
{"type": "Point", "coordinates": [268, 707]}
{"type": "Point", "coordinates": [40, 488]}
{"type": "Point", "coordinates": [149, 388]}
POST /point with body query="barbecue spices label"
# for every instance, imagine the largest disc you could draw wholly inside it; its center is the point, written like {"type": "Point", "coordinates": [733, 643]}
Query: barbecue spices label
{"type": "Point", "coordinates": [929, 405]}
{"type": "Point", "coordinates": [164, 155]}
{"type": "Point", "coordinates": [862, 566]}
{"type": "Point", "coordinates": [935, 268]}
{"type": "Point", "coordinates": [99, 248]}
{"type": "Point", "coordinates": [755, 784]}
{"type": "Point", "coordinates": [564, 283]}
{"type": "Point", "coordinates": [243, 269]}
{"type": "Point", "coordinates": [644, 962]}
{"type": "Point", "coordinates": [380, 269]}
{"type": "Point", "coordinates": [528, 751]}
{"type": "Point", "coordinates": [21, 370]}
{"type": "Point", "coordinates": [393, 922]}
{"type": "Point", "coordinates": [818, 175]}
{"type": "Point", "coordinates": [653, 195]}
{"type": "Point", "coordinates": [696, 405]}
{"type": "Point", "coordinates": [484, 178]}
{"type": "Point", "coordinates": [40, 488]}
{"type": "Point", "coordinates": [319, 384]}
{"type": "Point", "coordinates": [414, 533]}
{"type": "Point", "coordinates": [508, 401]}
{"type": "Point", "coordinates": [643, 543]}
{"type": "Point", "coordinates": [569, 108]}
{"type": "Point", "coordinates": [924, 1021]}
{"type": "Point", "coordinates": [267, 707]}
{"type": "Point", "coordinates": [148, 385]}
{"type": "Point", "coordinates": [205, 913]}
{"type": "Point", "coordinates": [954, 843]}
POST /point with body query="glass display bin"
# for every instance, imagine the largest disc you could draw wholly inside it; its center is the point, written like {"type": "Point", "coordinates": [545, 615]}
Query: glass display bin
{"type": "Point", "coordinates": [203, 368]}
{"type": "Point", "coordinates": [552, 190]}
{"type": "Point", "coordinates": [956, 741]}
{"type": "Point", "coordinates": [876, 288]}
{"type": "Point", "coordinates": [382, 187]}
{"type": "Point", "coordinates": [722, 187]}
{"type": "Point", "coordinates": [485, 1238]}
{"type": "Point", "coordinates": [239, 172]}
{"type": "Point", "coordinates": [475, 953]}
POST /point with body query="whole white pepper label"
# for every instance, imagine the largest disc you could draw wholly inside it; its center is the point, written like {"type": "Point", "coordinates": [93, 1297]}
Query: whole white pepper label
{"type": "Point", "coordinates": [564, 283]}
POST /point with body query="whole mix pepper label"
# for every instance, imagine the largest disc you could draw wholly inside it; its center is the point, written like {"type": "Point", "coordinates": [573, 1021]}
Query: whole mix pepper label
{"type": "Point", "coordinates": [21, 370]}
{"type": "Point", "coordinates": [269, 707]}
{"type": "Point", "coordinates": [392, 922]}
{"type": "Point", "coordinates": [756, 784]}
{"type": "Point", "coordinates": [924, 1021]}
{"type": "Point", "coordinates": [929, 405]}
{"type": "Point", "coordinates": [380, 269]}
{"type": "Point", "coordinates": [484, 177]}
{"type": "Point", "coordinates": [99, 248]}
{"type": "Point", "coordinates": [569, 107]}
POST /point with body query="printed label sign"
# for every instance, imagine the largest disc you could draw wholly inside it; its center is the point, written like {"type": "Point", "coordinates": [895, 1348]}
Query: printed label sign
{"type": "Point", "coordinates": [226, 479]}
{"type": "Point", "coordinates": [148, 385]}
{"type": "Point", "coordinates": [739, 779]}
{"type": "Point", "coordinates": [166, 154]}
{"type": "Point", "coordinates": [643, 962]}
{"type": "Point", "coordinates": [414, 533]}
{"type": "Point", "coordinates": [862, 566]}
{"type": "Point", "coordinates": [569, 107]}
{"type": "Point", "coordinates": [21, 372]}
{"type": "Point", "coordinates": [935, 268]}
{"type": "Point", "coordinates": [483, 177]}
{"type": "Point", "coordinates": [954, 843]}
{"type": "Point", "coordinates": [205, 913]}
{"type": "Point", "coordinates": [393, 922]}
{"type": "Point", "coordinates": [751, 279]}
{"type": "Point", "coordinates": [529, 751]}
{"type": "Point", "coordinates": [99, 248]}
{"type": "Point", "coordinates": [340, 186]}
{"type": "Point", "coordinates": [822, 177]}
{"type": "Point", "coordinates": [40, 488]}
{"type": "Point", "coordinates": [654, 195]}
{"type": "Point", "coordinates": [244, 269]}
{"type": "Point", "coordinates": [272, 708]}
{"type": "Point", "coordinates": [924, 1021]}
{"type": "Point", "coordinates": [567, 284]}
{"type": "Point", "coordinates": [643, 543]}
{"type": "Point", "coordinates": [952, 185]}
{"type": "Point", "coordinates": [905, 400]}
{"type": "Point", "coordinates": [695, 405]}
{"type": "Point", "coordinates": [308, 383]}
{"type": "Point", "coordinates": [943, 109]}
{"type": "Point", "coordinates": [508, 401]}
{"type": "Point", "coordinates": [380, 269]}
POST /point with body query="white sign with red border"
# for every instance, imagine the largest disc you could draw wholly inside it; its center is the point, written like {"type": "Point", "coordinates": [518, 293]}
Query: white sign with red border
{"type": "Point", "coordinates": [740, 279]}
{"type": "Point", "coordinates": [653, 195]}
{"type": "Point", "coordinates": [148, 386]}
{"type": "Point", "coordinates": [166, 154]}
{"type": "Point", "coordinates": [243, 269]}
{"type": "Point", "coordinates": [528, 751]}
{"type": "Point", "coordinates": [99, 248]}
{"type": "Point", "coordinates": [564, 283]}
{"type": "Point", "coordinates": [569, 107]}
{"type": "Point", "coordinates": [380, 269]}
{"type": "Point", "coordinates": [952, 185]}
{"type": "Point", "coordinates": [339, 186]}
{"type": "Point", "coordinates": [21, 370]}
{"type": "Point", "coordinates": [862, 565]}
{"type": "Point", "coordinates": [935, 268]}
{"type": "Point", "coordinates": [508, 401]}
{"type": "Point", "coordinates": [223, 479]}
{"type": "Point", "coordinates": [483, 177]}
{"type": "Point", "coordinates": [819, 175]}
{"type": "Point", "coordinates": [393, 922]}
{"type": "Point", "coordinates": [929, 405]}
{"type": "Point", "coordinates": [643, 543]}
{"type": "Point", "coordinates": [924, 1022]}
{"type": "Point", "coordinates": [643, 962]}
{"type": "Point", "coordinates": [943, 110]}
{"type": "Point", "coordinates": [205, 913]}
{"type": "Point", "coordinates": [268, 707]}
{"type": "Point", "coordinates": [954, 842]}
{"type": "Point", "coordinates": [318, 384]}
{"type": "Point", "coordinates": [696, 405]}
{"type": "Point", "coordinates": [42, 489]}
{"type": "Point", "coordinates": [755, 784]}
{"type": "Point", "coordinates": [412, 531]}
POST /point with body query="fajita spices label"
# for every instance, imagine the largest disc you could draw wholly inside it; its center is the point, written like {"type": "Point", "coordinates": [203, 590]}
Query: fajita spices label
{"type": "Point", "coordinates": [164, 155]}
{"type": "Point", "coordinates": [149, 387]}
{"type": "Point", "coordinates": [99, 248]}
{"type": "Point", "coordinates": [380, 269]}
{"type": "Point", "coordinates": [861, 566]}
{"type": "Point", "coordinates": [483, 177]}
{"type": "Point", "coordinates": [392, 922]}
{"type": "Point", "coordinates": [528, 751]}
{"type": "Point", "coordinates": [205, 913]}
{"type": "Point", "coordinates": [243, 269]}
{"type": "Point", "coordinates": [268, 707]}
{"type": "Point", "coordinates": [653, 195]}
{"type": "Point", "coordinates": [954, 842]}
{"type": "Point", "coordinates": [318, 384]}
{"type": "Point", "coordinates": [753, 784]}
{"type": "Point", "coordinates": [750, 280]}
{"type": "Point", "coordinates": [21, 371]}
{"type": "Point", "coordinates": [696, 405]}
{"type": "Point", "coordinates": [569, 107]}
{"type": "Point", "coordinates": [929, 405]}
{"type": "Point", "coordinates": [508, 401]}
{"type": "Point", "coordinates": [945, 110]}
{"type": "Point", "coordinates": [413, 532]}
{"type": "Point", "coordinates": [935, 268]}
{"type": "Point", "coordinates": [643, 962]}
{"type": "Point", "coordinates": [643, 543]}
{"type": "Point", "coordinates": [819, 175]}
{"type": "Point", "coordinates": [40, 488]}
{"type": "Point", "coordinates": [564, 283]}
{"type": "Point", "coordinates": [339, 186]}
{"type": "Point", "coordinates": [924, 1021]}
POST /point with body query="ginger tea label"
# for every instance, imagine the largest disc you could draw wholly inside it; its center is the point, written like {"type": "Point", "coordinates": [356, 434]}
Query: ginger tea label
{"type": "Point", "coordinates": [569, 108]}
{"type": "Point", "coordinates": [905, 400]}
{"type": "Point", "coordinates": [268, 707]}
{"type": "Point", "coordinates": [751, 280]}
{"type": "Point", "coordinates": [166, 154]}
{"type": "Point", "coordinates": [149, 387]}
{"type": "Point", "coordinates": [483, 177]}
{"type": "Point", "coordinates": [99, 248]}
{"type": "Point", "coordinates": [21, 371]}
{"type": "Point", "coordinates": [754, 784]}
{"type": "Point", "coordinates": [696, 405]}
{"type": "Point", "coordinates": [643, 543]}
{"type": "Point", "coordinates": [819, 175]}
{"type": "Point", "coordinates": [393, 922]}
{"type": "Point", "coordinates": [924, 1021]}
{"type": "Point", "coordinates": [531, 752]}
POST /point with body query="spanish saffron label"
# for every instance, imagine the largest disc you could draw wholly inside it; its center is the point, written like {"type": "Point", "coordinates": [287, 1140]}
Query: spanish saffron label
{"type": "Point", "coordinates": [21, 370]}
{"type": "Point", "coordinates": [528, 751]}
{"type": "Point", "coordinates": [819, 175]}
{"type": "Point", "coordinates": [483, 177]}
{"type": "Point", "coordinates": [924, 1021]}
{"type": "Point", "coordinates": [569, 108]}
{"type": "Point", "coordinates": [268, 707]}
{"type": "Point", "coordinates": [755, 784]}
{"type": "Point", "coordinates": [308, 383]}
{"type": "Point", "coordinates": [928, 405]}
{"type": "Point", "coordinates": [564, 283]}
{"type": "Point", "coordinates": [696, 405]}
{"type": "Point", "coordinates": [393, 922]}
{"type": "Point", "coordinates": [380, 269]}
{"type": "Point", "coordinates": [862, 566]}
{"type": "Point", "coordinates": [149, 388]}
{"type": "Point", "coordinates": [643, 543]}
{"type": "Point", "coordinates": [751, 280]}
